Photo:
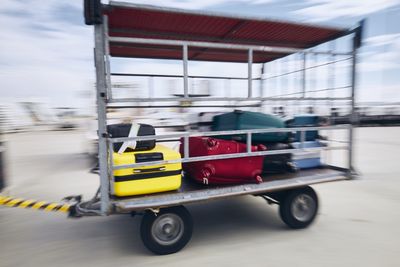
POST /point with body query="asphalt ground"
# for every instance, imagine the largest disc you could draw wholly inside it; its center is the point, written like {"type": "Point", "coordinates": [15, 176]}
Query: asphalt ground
{"type": "Point", "coordinates": [357, 224]}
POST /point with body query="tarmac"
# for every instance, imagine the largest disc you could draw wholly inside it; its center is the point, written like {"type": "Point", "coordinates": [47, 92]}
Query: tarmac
{"type": "Point", "coordinates": [357, 224]}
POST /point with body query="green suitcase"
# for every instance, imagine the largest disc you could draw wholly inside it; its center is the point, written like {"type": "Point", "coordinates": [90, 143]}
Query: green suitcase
{"type": "Point", "coordinates": [246, 120]}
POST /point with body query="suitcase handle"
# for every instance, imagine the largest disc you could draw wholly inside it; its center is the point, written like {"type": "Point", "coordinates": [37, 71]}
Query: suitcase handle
{"type": "Point", "coordinates": [162, 168]}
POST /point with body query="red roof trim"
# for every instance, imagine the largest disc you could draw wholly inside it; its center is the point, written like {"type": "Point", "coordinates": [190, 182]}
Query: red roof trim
{"type": "Point", "coordinates": [129, 20]}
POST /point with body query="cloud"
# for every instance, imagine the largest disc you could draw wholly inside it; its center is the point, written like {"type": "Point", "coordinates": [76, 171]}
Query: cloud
{"type": "Point", "coordinates": [43, 54]}
{"type": "Point", "coordinates": [380, 62]}
{"type": "Point", "coordinates": [381, 53]}
{"type": "Point", "coordinates": [323, 10]}
{"type": "Point", "coordinates": [381, 40]}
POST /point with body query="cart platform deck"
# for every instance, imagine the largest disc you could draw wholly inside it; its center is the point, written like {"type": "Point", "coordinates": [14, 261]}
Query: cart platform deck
{"type": "Point", "coordinates": [193, 192]}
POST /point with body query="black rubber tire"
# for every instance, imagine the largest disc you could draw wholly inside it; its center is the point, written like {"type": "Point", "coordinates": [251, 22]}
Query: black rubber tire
{"type": "Point", "coordinates": [150, 240]}
{"type": "Point", "coordinates": [286, 205]}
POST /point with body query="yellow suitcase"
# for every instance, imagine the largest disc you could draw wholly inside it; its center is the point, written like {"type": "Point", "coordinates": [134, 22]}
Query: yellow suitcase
{"type": "Point", "coordinates": [146, 179]}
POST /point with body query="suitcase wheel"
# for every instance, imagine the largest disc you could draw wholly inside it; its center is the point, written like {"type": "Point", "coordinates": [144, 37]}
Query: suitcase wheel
{"type": "Point", "coordinates": [292, 167]}
{"type": "Point", "coordinates": [167, 231]}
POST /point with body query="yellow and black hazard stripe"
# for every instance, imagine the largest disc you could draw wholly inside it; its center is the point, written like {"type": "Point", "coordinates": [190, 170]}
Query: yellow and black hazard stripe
{"type": "Point", "coordinates": [33, 204]}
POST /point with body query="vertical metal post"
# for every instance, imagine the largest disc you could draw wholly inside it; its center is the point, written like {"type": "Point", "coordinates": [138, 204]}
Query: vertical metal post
{"type": "Point", "coordinates": [332, 71]}
{"type": "Point", "coordinates": [185, 72]}
{"type": "Point", "coordinates": [101, 97]}
{"type": "Point", "coordinates": [304, 77]}
{"type": "Point", "coordinates": [248, 142]}
{"type": "Point", "coordinates": [110, 164]}
{"type": "Point", "coordinates": [250, 74]}
{"type": "Point", "coordinates": [302, 138]}
{"type": "Point", "coordinates": [262, 85]}
{"type": "Point", "coordinates": [278, 84]}
{"type": "Point", "coordinates": [186, 147]}
{"type": "Point", "coordinates": [356, 44]}
{"type": "Point", "coordinates": [284, 84]}
{"type": "Point", "coordinates": [107, 58]}
{"type": "Point", "coordinates": [262, 80]}
{"type": "Point", "coordinates": [331, 94]}
{"type": "Point", "coordinates": [313, 104]}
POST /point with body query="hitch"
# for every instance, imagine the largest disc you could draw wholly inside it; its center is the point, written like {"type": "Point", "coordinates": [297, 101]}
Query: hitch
{"type": "Point", "coordinates": [34, 204]}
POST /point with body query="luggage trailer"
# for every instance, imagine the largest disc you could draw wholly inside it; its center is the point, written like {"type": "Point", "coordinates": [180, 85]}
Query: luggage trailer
{"type": "Point", "coordinates": [143, 31]}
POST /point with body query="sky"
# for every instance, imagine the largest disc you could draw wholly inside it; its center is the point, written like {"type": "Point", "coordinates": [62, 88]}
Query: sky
{"type": "Point", "coordinates": [47, 50]}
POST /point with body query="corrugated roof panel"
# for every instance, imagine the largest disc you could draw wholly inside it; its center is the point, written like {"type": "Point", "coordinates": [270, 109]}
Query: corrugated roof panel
{"type": "Point", "coordinates": [127, 20]}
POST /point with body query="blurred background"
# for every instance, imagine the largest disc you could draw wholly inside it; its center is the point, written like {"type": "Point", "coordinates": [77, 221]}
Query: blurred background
{"type": "Point", "coordinates": [49, 140]}
{"type": "Point", "coordinates": [47, 70]}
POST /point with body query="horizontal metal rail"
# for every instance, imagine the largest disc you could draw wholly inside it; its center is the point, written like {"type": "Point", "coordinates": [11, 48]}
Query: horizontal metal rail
{"type": "Point", "coordinates": [232, 132]}
{"type": "Point", "coordinates": [331, 140]}
{"type": "Point", "coordinates": [314, 91]}
{"type": "Point", "coordinates": [186, 135]}
{"type": "Point", "coordinates": [307, 68]}
{"type": "Point", "coordinates": [185, 106]}
{"type": "Point", "coordinates": [228, 156]}
{"type": "Point", "coordinates": [181, 76]}
{"type": "Point", "coordinates": [219, 45]}
{"type": "Point", "coordinates": [199, 99]}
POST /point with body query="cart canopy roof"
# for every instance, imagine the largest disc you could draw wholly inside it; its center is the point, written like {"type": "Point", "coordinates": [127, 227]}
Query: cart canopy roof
{"type": "Point", "coordinates": [144, 21]}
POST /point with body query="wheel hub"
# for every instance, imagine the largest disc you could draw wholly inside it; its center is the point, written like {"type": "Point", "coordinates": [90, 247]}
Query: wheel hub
{"type": "Point", "coordinates": [167, 229]}
{"type": "Point", "coordinates": [303, 207]}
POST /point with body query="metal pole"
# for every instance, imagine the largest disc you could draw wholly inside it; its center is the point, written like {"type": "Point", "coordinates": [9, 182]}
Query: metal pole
{"type": "Point", "coordinates": [313, 104]}
{"type": "Point", "coordinates": [303, 84]}
{"type": "Point", "coordinates": [179, 76]}
{"type": "Point", "coordinates": [248, 142]}
{"type": "Point", "coordinates": [186, 147]}
{"type": "Point", "coordinates": [101, 97]}
{"type": "Point", "coordinates": [107, 58]}
{"type": "Point", "coordinates": [278, 84]}
{"type": "Point", "coordinates": [262, 84]}
{"type": "Point", "coordinates": [250, 73]}
{"type": "Point", "coordinates": [331, 93]}
{"type": "Point", "coordinates": [331, 73]}
{"type": "Point", "coordinates": [111, 163]}
{"type": "Point", "coordinates": [356, 44]}
{"type": "Point", "coordinates": [185, 72]}
{"type": "Point", "coordinates": [302, 138]}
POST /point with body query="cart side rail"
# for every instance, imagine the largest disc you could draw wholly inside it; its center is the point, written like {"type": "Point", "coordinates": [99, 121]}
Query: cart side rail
{"type": "Point", "coordinates": [186, 135]}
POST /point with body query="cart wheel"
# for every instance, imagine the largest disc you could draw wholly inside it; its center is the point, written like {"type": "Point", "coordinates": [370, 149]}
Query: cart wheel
{"type": "Point", "coordinates": [167, 231]}
{"type": "Point", "coordinates": [299, 207]}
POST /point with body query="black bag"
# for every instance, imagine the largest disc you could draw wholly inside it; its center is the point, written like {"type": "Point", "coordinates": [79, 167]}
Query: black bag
{"type": "Point", "coordinates": [123, 129]}
{"type": "Point", "coordinates": [279, 163]}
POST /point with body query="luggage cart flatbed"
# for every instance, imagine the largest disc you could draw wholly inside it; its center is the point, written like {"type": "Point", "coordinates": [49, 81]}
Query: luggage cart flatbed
{"type": "Point", "coordinates": [191, 192]}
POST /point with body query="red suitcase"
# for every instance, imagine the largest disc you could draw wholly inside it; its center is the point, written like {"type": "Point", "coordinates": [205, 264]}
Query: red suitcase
{"type": "Point", "coordinates": [222, 171]}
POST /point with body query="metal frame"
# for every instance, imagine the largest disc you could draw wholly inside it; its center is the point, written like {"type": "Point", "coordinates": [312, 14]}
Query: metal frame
{"type": "Point", "coordinates": [104, 98]}
{"type": "Point", "coordinates": [101, 98]}
{"type": "Point", "coordinates": [186, 135]}
{"type": "Point", "coordinates": [330, 174]}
